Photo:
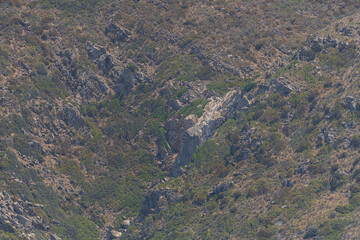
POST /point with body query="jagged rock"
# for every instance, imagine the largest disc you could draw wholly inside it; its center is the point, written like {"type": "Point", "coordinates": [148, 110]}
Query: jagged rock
{"type": "Point", "coordinates": [116, 34]}
{"type": "Point", "coordinates": [54, 237]}
{"type": "Point", "coordinates": [304, 54]}
{"type": "Point", "coordinates": [151, 204]}
{"type": "Point", "coordinates": [287, 183]}
{"type": "Point", "coordinates": [126, 80]}
{"type": "Point", "coordinates": [315, 45]}
{"type": "Point", "coordinates": [243, 154]}
{"type": "Point", "coordinates": [6, 226]}
{"type": "Point", "coordinates": [105, 63]}
{"type": "Point", "coordinates": [282, 87]}
{"type": "Point", "coordinates": [38, 223]}
{"type": "Point", "coordinates": [221, 187]}
{"type": "Point", "coordinates": [346, 31]}
{"type": "Point", "coordinates": [350, 103]}
{"type": "Point", "coordinates": [301, 169]}
{"type": "Point", "coordinates": [94, 51]}
{"type": "Point", "coordinates": [328, 42]}
{"type": "Point", "coordinates": [215, 114]}
{"type": "Point", "coordinates": [262, 89]}
{"type": "Point", "coordinates": [88, 86]}
{"type": "Point", "coordinates": [175, 129]}
{"type": "Point", "coordinates": [17, 208]}
{"type": "Point", "coordinates": [174, 104]}
{"type": "Point", "coordinates": [173, 197]}
{"type": "Point", "coordinates": [319, 44]}
{"type": "Point", "coordinates": [24, 220]}
{"type": "Point", "coordinates": [311, 232]}
{"type": "Point", "coordinates": [165, 92]}
{"type": "Point", "coordinates": [342, 46]}
{"type": "Point", "coordinates": [72, 117]}
{"type": "Point", "coordinates": [337, 179]}
{"type": "Point", "coordinates": [155, 201]}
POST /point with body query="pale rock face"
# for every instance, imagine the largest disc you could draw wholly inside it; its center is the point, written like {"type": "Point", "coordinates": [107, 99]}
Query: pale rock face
{"type": "Point", "coordinates": [115, 234]}
{"type": "Point", "coordinates": [126, 223]}
{"type": "Point", "coordinates": [215, 114]}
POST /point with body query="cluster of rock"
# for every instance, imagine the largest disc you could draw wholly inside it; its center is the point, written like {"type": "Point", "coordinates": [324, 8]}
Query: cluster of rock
{"type": "Point", "coordinates": [19, 216]}
{"type": "Point", "coordinates": [156, 201]}
{"type": "Point", "coordinates": [320, 44]}
{"type": "Point", "coordinates": [87, 85]}
{"type": "Point", "coordinates": [247, 144]}
{"type": "Point", "coordinates": [186, 135]}
{"type": "Point", "coordinates": [124, 79]}
{"type": "Point", "coordinates": [351, 104]}
{"type": "Point", "coordinates": [221, 187]}
{"type": "Point", "coordinates": [116, 34]}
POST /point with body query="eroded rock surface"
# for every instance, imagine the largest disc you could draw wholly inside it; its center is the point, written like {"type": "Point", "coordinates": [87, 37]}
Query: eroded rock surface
{"type": "Point", "coordinates": [200, 130]}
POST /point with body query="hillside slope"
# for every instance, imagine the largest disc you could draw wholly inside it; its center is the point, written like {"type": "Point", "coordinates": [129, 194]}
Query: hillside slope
{"type": "Point", "coordinates": [179, 119]}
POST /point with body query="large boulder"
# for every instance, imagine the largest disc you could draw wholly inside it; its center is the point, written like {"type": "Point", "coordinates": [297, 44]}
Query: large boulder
{"type": "Point", "coordinates": [72, 118]}
{"type": "Point", "coordinates": [282, 86]}
{"type": "Point", "coordinates": [105, 63]}
{"type": "Point", "coordinates": [94, 51]}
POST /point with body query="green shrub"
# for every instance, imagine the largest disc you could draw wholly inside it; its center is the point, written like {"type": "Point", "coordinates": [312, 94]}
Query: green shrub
{"type": "Point", "coordinates": [41, 69]}
{"type": "Point", "coordinates": [132, 67]}
{"type": "Point", "coordinates": [9, 162]}
{"type": "Point", "coordinates": [247, 87]}
{"type": "Point", "coordinates": [355, 141]}
{"type": "Point", "coordinates": [71, 168]}
{"type": "Point", "coordinates": [333, 229]}
{"type": "Point", "coordinates": [51, 86]}
{"type": "Point", "coordinates": [196, 107]}
{"type": "Point", "coordinates": [266, 233]}
{"type": "Point", "coordinates": [79, 228]}
{"type": "Point", "coordinates": [344, 209]}
{"type": "Point", "coordinates": [176, 93]}
{"type": "Point", "coordinates": [21, 144]}
{"type": "Point", "coordinates": [259, 188]}
{"type": "Point", "coordinates": [220, 87]}
{"type": "Point", "coordinates": [355, 199]}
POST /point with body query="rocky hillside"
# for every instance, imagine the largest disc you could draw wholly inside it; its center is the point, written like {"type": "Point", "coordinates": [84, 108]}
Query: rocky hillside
{"type": "Point", "coordinates": [143, 119]}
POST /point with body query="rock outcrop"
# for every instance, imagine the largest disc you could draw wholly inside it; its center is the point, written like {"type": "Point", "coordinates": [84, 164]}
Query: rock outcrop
{"type": "Point", "coordinates": [221, 187]}
{"type": "Point", "coordinates": [125, 80]}
{"type": "Point", "coordinates": [19, 215]}
{"type": "Point", "coordinates": [116, 34]}
{"type": "Point", "coordinates": [319, 44]}
{"type": "Point", "coordinates": [282, 86]}
{"type": "Point", "coordinates": [156, 201]}
{"type": "Point", "coordinates": [89, 86]}
{"type": "Point", "coordinates": [72, 117]}
{"type": "Point", "coordinates": [94, 51]}
{"type": "Point", "coordinates": [200, 130]}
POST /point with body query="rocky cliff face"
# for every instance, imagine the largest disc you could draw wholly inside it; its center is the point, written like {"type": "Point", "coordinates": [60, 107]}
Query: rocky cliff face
{"type": "Point", "coordinates": [199, 130]}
